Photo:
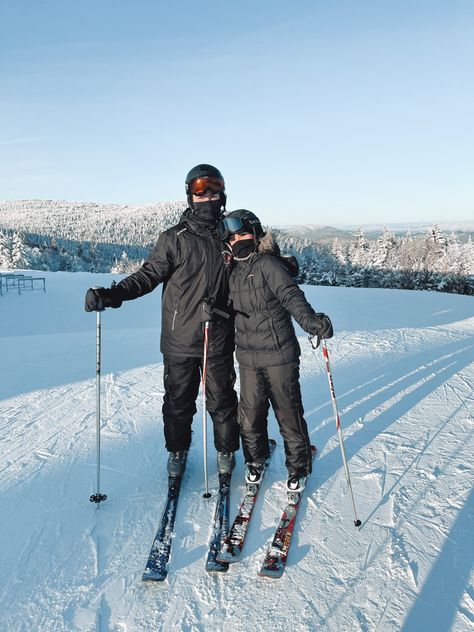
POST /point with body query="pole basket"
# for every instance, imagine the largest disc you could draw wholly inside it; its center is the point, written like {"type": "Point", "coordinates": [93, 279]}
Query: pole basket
{"type": "Point", "coordinates": [98, 498]}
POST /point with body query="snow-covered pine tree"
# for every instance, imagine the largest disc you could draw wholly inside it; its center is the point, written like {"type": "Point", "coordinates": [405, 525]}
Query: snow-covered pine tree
{"type": "Point", "coordinates": [383, 251]}
{"type": "Point", "coordinates": [19, 256]}
{"type": "Point", "coordinates": [5, 252]}
{"type": "Point", "coordinates": [359, 250]}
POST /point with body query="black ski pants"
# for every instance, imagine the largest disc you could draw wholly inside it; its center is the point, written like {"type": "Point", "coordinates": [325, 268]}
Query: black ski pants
{"type": "Point", "coordinates": [182, 377]}
{"type": "Point", "coordinates": [280, 386]}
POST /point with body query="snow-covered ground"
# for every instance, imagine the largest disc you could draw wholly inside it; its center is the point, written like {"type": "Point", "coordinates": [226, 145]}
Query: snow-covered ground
{"type": "Point", "coordinates": [403, 365]}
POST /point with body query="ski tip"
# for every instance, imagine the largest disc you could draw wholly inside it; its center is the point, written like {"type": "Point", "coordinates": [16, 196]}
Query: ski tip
{"type": "Point", "coordinates": [154, 576]}
{"type": "Point", "coordinates": [266, 573]}
{"type": "Point", "coordinates": [226, 557]}
{"type": "Point", "coordinates": [217, 567]}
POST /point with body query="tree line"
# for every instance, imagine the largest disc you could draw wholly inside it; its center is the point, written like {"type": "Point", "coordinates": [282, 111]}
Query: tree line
{"type": "Point", "coordinates": [434, 261]}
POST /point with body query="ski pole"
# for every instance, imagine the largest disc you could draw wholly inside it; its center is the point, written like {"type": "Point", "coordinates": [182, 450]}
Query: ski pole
{"type": "Point", "coordinates": [204, 412]}
{"type": "Point", "coordinates": [208, 310]}
{"type": "Point", "coordinates": [357, 522]}
{"type": "Point", "coordinates": [98, 497]}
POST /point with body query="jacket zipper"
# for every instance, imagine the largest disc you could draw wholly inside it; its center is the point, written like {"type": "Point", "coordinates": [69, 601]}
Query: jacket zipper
{"type": "Point", "coordinates": [174, 318]}
{"type": "Point", "coordinates": [210, 252]}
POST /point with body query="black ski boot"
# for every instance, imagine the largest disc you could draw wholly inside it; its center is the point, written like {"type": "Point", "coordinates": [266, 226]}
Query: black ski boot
{"type": "Point", "coordinates": [177, 463]}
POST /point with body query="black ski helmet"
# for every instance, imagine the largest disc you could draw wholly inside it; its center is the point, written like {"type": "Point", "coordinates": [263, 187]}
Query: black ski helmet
{"type": "Point", "coordinates": [250, 222]}
{"type": "Point", "coordinates": [204, 171]}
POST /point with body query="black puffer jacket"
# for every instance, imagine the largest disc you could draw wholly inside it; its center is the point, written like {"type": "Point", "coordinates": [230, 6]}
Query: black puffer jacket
{"type": "Point", "coordinates": [187, 259]}
{"type": "Point", "coordinates": [264, 296]}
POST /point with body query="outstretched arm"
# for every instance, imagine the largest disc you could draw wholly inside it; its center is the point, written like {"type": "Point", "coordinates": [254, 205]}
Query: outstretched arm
{"type": "Point", "coordinates": [293, 299]}
{"type": "Point", "coordinates": [157, 268]}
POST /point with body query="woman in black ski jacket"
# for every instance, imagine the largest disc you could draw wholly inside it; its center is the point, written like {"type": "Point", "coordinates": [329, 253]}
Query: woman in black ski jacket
{"type": "Point", "coordinates": [264, 297]}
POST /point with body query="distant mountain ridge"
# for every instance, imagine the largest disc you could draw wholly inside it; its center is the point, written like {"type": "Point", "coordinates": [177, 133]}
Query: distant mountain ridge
{"type": "Point", "coordinates": [465, 226]}
{"type": "Point", "coordinates": [319, 232]}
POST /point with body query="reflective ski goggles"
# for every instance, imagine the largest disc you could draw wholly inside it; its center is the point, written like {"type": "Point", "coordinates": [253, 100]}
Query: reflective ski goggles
{"type": "Point", "coordinates": [228, 226]}
{"type": "Point", "coordinates": [200, 185]}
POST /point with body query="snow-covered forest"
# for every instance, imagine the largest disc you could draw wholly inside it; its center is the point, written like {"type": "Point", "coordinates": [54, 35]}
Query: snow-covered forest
{"type": "Point", "coordinates": [80, 236]}
{"type": "Point", "coordinates": [88, 237]}
{"type": "Point", "coordinates": [434, 261]}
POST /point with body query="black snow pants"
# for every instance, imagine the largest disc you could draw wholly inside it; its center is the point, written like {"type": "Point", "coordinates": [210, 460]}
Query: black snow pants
{"type": "Point", "coordinates": [278, 385]}
{"type": "Point", "coordinates": [182, 377]}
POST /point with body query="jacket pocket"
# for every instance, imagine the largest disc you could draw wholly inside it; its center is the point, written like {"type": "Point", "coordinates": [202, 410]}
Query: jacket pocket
{"type": "Point", "coordinates": [275, 336]}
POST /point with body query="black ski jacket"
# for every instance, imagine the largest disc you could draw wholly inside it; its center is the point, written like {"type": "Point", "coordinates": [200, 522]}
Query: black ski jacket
{"type": "Point", "coordinates": [187, 259]}
{"type": "Point", "coordinates": [264, 297]}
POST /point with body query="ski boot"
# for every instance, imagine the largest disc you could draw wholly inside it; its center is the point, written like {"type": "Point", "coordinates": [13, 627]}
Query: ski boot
{"type": "Point", "coordinates": [253, 473]}
{"type": "Point", "coordinates": [177, 463]}
{"type": "Point", "coordinates": [294, 487]}
{"type": "Point", "coordinates": [225, 462]}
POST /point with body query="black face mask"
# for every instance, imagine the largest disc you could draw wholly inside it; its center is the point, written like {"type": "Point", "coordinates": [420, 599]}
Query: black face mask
{"type": "Point", "coordinates": [243, 248]}
{"type": "Point", "coordinates": [208, 212]}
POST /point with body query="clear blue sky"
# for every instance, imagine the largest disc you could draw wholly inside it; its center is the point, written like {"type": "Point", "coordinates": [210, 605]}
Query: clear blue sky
{"type": "Point", "coordinates": [315, 111]}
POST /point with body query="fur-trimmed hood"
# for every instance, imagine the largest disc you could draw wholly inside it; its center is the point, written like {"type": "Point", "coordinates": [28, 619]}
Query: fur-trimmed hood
{"type": "Point", "coordinates": [267, 245]}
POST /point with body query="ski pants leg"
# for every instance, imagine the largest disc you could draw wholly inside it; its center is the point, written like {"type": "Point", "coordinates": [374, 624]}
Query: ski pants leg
{"type": "Point", "coordinates": [279, 385]}
{"type": "Point", "coordinates": [221, 402]}
{"type": "Point", "coordinates": [181, 381]}
{"type": "Point", "coordinates": [253, 414]}
{"type": "Point", "coordinates": [285, 396]}
{"type": "Point", "coordinates": [182, 377]}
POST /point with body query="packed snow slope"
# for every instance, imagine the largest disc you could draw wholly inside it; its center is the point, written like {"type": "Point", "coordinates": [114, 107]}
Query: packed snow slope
{"type": "Point", "coordinates": [403, 366]}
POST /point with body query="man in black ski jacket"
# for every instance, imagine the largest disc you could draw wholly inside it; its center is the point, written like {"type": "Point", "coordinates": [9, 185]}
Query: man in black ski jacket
{"type": "Point", "coordinates": [264, 297]}
{"type": "Point", "coordinates": [187, 259]}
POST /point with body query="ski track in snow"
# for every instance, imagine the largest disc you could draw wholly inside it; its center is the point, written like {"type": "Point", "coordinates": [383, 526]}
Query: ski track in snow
{"type": "Point", "coordinates": [405, 397]}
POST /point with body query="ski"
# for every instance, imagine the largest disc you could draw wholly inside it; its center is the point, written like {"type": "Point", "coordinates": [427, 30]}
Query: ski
{"type": "Point", "coordinates": [220, 526]}
{"type": "Point", "coordinates": [233, 544]}
{"type": "Point", "coordinates": [156, 569]}
{"type": "Point", "coordinates": [275, 559]}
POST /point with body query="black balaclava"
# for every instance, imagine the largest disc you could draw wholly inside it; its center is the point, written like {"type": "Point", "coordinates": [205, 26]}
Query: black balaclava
{"type": "Point", "coordinates": [208, 212]}
{"type": "Point", "coordinates": [243, 248]}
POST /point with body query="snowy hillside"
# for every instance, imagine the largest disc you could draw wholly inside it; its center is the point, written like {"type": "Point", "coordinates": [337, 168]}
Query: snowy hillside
{"type": "Point", "coordinates": [403, 364]}
{"type": "Point", "coordinates": [88, 221]}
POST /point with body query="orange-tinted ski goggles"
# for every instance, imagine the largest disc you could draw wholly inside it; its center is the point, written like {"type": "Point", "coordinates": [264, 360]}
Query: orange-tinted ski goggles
{"type": "Point", "coordinates": [200, 185]}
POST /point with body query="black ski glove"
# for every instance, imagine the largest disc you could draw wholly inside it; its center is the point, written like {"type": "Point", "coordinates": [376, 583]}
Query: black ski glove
{"type": "Point", "coordinates": [97, 299]}
{"type": "Point", "coordinates": [321, 326]}
{"type": "Point", "coordinates": [210, 313]}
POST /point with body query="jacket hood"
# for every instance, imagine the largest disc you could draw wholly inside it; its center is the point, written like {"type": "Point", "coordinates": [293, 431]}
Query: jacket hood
{"type": "Point", "coordinates": [267, 245]}
{"type": "Point", "coordinates": [184, 215]}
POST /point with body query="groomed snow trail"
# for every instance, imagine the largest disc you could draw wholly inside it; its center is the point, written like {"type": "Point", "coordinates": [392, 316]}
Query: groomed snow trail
{"type": "Point", "coordinates": [403, 365]}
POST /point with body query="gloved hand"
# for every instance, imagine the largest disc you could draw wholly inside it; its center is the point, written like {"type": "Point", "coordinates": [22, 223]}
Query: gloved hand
{"type": "Point", "coordinates": [209, 312]}
{"type": "Point", "coordinates": [97, 299]}
{"type": "Point", "coordinates": [321, 327]}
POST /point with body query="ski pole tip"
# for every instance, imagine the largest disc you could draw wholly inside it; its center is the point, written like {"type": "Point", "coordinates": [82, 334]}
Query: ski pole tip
{"type": "Point", "coordinates": [207, 495]}
{"type": "Point", "coordinates": [357, 523]}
